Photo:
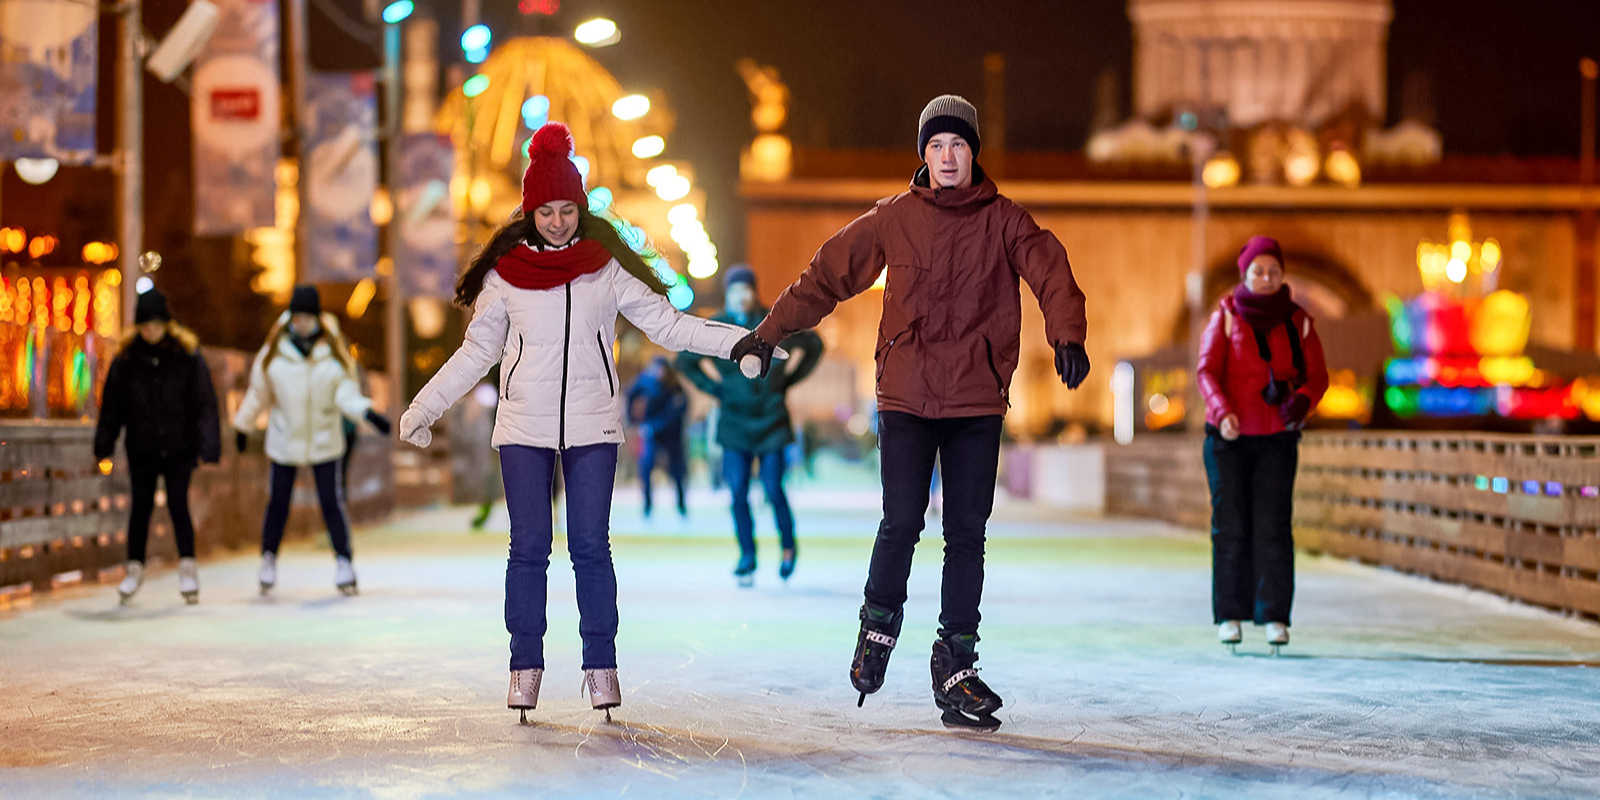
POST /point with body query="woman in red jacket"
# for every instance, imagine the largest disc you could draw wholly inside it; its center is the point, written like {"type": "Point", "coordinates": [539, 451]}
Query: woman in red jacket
{"type": "Point", "coordinates": [1261, 372]}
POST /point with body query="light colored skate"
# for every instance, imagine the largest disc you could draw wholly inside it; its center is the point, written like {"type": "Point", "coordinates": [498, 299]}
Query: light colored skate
{"type": "Point", "coordinates": [604, 692]}
{"type": "Point", "coordinates": [1230, 633]}
{"type": "Point", "coordinates": [524, 692]}
{"type": "Point", "coordinates": [268, 575]}
{"type": "Point", "coordinates": [344, 576]}
{"type": "Point", "coordinates": [1277, 636]}
{"type": "Point", "coordinates": [189, 580]}
{"type": "Point", "coordinates": [131, 582]}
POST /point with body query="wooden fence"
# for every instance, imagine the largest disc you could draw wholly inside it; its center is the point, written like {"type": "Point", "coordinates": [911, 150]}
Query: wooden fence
{"type": "Point", "coordinates": [1515, 515]}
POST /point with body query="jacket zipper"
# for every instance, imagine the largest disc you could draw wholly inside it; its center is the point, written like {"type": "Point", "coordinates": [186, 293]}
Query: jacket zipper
{"type": "Point", "coordinates": [999, 385]}
{"type": "Point", "coordinates": [505, 391]}
{"type": "Point", "coordinates": [566, 352]}
{"type": "Point", "coordinates": [605, 362]}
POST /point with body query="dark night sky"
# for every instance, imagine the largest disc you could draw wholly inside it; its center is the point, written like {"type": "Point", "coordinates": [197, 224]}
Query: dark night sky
{"type": "Point", "coordinates": [1503, 75]}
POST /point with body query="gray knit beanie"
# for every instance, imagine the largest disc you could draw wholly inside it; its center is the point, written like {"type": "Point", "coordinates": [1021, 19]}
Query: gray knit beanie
{"type": "Point", "coordinates": [948, 113]}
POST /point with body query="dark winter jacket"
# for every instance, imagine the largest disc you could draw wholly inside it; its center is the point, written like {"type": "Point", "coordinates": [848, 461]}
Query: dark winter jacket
{"type": "Point", "coordinates": [951, 331]}
{"type": "Point", "coordinates": [162, 394]}
{"type": "Point", "coordinates": [663, 406]}
{"type": "Point", "coordinates": [754, 416]}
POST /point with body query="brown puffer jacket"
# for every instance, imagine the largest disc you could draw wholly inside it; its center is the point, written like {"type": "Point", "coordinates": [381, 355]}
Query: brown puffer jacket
{"type": "Point", "coordinates": [952, 313]}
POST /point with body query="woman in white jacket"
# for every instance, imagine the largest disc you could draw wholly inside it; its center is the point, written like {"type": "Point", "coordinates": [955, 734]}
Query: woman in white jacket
{"type": "Point", "coordinates": [304, 377]}
{"type": "Point", "coordinates": [545, 295]}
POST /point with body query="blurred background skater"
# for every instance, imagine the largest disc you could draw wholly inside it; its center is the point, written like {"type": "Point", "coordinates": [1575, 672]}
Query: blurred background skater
{"type": "Point", "coordinates": [753, 424]}
{"type": "Point", "coordinates": [159, 389]}
{"type": "Point", "coordinates": [657, 404]}
{"type": "Point", "coordinates": [305, 378]}
{"type": "Point", "coordinates": [1261, 371]}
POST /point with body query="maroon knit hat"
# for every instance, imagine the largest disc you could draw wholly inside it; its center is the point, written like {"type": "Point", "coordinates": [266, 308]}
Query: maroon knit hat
{"type": "Point", "coordinates": [551, 174]}
{"type": "Point", "coordinates": [1259, 246]}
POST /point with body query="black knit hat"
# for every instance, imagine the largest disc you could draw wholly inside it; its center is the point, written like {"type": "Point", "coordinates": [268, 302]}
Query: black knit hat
{"type": "Point", "coordinates": [739, 273]}
{"type": "Point", "coordinates": [151, 306]}
{"type": "Point", "coordinates": [305, 300]}
{"type": "Point", "coordinates": [948, 113]}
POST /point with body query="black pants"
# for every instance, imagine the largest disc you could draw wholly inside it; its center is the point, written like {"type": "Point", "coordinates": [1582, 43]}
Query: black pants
{"type": "Point", "coordinates": [968, 451]}
{"type": "Point", "coordinates": [1252, 535]}
{"type": "Point", "coordinates": [143, 488]}
{"type": "Point", "coordinates": [330, 495]}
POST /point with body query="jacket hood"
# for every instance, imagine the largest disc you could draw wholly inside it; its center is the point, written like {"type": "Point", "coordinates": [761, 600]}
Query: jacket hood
{"type": "Point", "coordinates": [981, 191]}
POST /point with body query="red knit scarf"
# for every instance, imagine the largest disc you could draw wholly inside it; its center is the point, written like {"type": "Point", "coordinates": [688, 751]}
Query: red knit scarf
{"type": "Point", "coordinates": [527, 268]}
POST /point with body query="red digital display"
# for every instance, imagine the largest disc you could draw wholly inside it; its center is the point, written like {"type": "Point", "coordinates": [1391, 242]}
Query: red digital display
{"type": "Point", "coordinates": [236, 105]}
{"type": "Point", "coordinates": [544, 7]}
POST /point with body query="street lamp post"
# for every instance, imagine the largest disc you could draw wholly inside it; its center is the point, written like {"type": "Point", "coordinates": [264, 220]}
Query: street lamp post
{"type": "Point", "coordinates": [395, 309]}
{"type": "Point", "coordinates": [129, 162]}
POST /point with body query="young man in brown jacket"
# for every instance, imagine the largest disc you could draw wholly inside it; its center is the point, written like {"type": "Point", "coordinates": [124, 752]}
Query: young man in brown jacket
{"type": "Point", "coordinates": [947, 347]}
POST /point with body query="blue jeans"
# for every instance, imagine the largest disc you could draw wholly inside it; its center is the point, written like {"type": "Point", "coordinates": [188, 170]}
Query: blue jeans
{"type": "Point", "coordinates": [736, 466]}
{"type": "Point", "coordinates": [589, 474]}
{"type": "Point", "coordinates": [330, 495]}
{"type": "Point", "coordinates": [677, 468]}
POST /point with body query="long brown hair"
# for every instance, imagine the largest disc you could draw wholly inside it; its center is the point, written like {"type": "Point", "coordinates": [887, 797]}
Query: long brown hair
{"type": "Point", "coordinates": [520, 228]}
{"type": "Point", "coordinates": [330, 329]}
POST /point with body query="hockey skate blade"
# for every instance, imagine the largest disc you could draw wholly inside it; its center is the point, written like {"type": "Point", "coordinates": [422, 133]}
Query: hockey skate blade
{"type": "Point", "coordinates": [957, 721]}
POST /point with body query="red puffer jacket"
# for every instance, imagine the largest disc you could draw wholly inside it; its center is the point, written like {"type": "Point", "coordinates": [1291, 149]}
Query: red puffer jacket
{"type": "Point", "coordinates": [1231, 374]}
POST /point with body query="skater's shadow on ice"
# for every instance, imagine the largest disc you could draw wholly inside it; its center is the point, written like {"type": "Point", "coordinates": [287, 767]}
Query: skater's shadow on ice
{"type": "Point", "coordinates": [126, 614]}
{"type": "Point", "coordinates": [1488, 662]}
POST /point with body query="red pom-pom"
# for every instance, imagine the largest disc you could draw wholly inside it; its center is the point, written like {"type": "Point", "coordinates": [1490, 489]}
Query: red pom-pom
{"type": "Point", "coordinates": [552, 138]}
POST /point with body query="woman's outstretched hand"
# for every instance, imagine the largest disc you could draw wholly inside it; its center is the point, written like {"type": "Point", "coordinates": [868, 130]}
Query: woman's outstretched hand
{"type": "Point", "coordinates": [414, 429]}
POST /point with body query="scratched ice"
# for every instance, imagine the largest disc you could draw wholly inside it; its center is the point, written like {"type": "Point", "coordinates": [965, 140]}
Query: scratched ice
{"type": "Point", "coordinates": [1096, 632]}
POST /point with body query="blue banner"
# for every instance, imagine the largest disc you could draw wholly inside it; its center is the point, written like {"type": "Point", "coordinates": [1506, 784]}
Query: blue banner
{"type": "Point", "coordinates": [234, 107]}
{"type": "Point", "coordinates": [47, 80]}
{"type": "Point", "coordinates": [342, 170]}
{"type": "Point", "coordinates": [426, 216]}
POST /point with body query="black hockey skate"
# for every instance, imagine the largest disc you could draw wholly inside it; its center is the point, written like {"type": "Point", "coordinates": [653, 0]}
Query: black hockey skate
{"type": "Point", "coordinates": [879, 629]}
{"type": "Point", "coordinates": [968, 704]}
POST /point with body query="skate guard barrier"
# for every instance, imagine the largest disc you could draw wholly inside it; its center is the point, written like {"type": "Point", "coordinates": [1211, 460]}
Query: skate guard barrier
{"type": "Point", "coordinates": [1512, 514]}
{"type": "Point", "coordinates": [63, 522]}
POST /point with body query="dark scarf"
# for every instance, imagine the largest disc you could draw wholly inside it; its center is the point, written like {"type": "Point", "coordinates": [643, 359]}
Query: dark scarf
{"type": "Point", "coordinates": [529, 268]}
{"type": "Point", "coordinates": [1264, 312]}
{"type": "Point", "coordinates": [305, 343]}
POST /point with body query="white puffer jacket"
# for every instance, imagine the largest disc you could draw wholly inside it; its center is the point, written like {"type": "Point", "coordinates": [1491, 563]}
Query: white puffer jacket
{"type": "Point", "coordinates": [305, 398]}
{"type": "Point", "coordinates": [558, 380]}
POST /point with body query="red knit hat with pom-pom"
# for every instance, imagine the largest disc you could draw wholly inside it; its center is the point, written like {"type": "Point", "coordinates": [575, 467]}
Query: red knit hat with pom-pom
{"type": "Point", "coordinates": [551, 174]}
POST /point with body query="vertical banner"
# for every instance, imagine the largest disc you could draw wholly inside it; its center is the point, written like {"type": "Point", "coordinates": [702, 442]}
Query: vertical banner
{"type": "Point", "coordinates": [342, 167]}
{"type": "Point", "coordinates": [234, 108]}
{"type": "Point", "coordinates": [427, 257]}
{"type": "Point", "coordinates": [47, 80]}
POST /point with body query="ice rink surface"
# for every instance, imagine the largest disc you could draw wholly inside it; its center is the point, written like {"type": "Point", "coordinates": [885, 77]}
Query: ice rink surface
{"type": "Point", "coordinates": [1096, 632]}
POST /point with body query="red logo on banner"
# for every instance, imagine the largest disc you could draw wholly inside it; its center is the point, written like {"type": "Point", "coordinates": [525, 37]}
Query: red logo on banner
{"type": "Point", "coordinates": [235, 105]}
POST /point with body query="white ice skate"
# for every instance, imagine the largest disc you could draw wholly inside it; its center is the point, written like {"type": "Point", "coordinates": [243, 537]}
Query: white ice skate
{"type": "Point", "coordinates": [131, 582]}
{"type": "Point", "coordinates": [1277, 636]}
{"type": "Point", "coordinates": [604, 692]}
{"type": "Point", "coordinates": [344, 576]}
{"type": "Point", "coordinates": [1230, 633]}
{"type": "Point", "coordinates": [188, 581]}
{"type": "Point", "coordinates": [268, 575]}
{"type": "Point", "coordinates": [524, 692]}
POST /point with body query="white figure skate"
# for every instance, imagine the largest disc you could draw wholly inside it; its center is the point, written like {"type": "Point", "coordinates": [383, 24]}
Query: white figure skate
{"type": "Point", "coordinates": [524, 692]}
{"type": "Point", "coordinates": [1277, 636]}
{"type": "Point", "coordinates": [188, 581]}
{"type": "Point", "coordinates": [604, 692]}
{"type": "Point", "coordinates": [268, 575]}
{"type": "Point", "coordinates": [344, 577]}
{"type": "Point", "coordinates": [1230, 633]}
{"type": "Point", "coordinates": [131, 582]}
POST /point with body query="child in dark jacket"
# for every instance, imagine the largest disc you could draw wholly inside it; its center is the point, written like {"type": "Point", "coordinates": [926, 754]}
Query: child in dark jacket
{"type": "Point", "coordinates": [159, 390]}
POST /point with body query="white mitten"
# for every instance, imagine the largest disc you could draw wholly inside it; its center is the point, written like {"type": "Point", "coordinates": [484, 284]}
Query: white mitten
{"type": "Point", "coordinates": [414, 428]}
{"type": "Point", "coordinates": [751, 365]}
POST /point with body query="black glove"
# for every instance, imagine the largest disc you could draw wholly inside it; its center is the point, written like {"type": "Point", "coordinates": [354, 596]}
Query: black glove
{"type": "Point", "coordinates": [379, 421]}
{"type": "Point", "coordinates": [753, 345]}
{"type": "Point", "coordinates": [1072, 364]}
{"type": "Point", "coordinates": [1294, 412]}
{"type": "Point", "coordinates": [241, 440]}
